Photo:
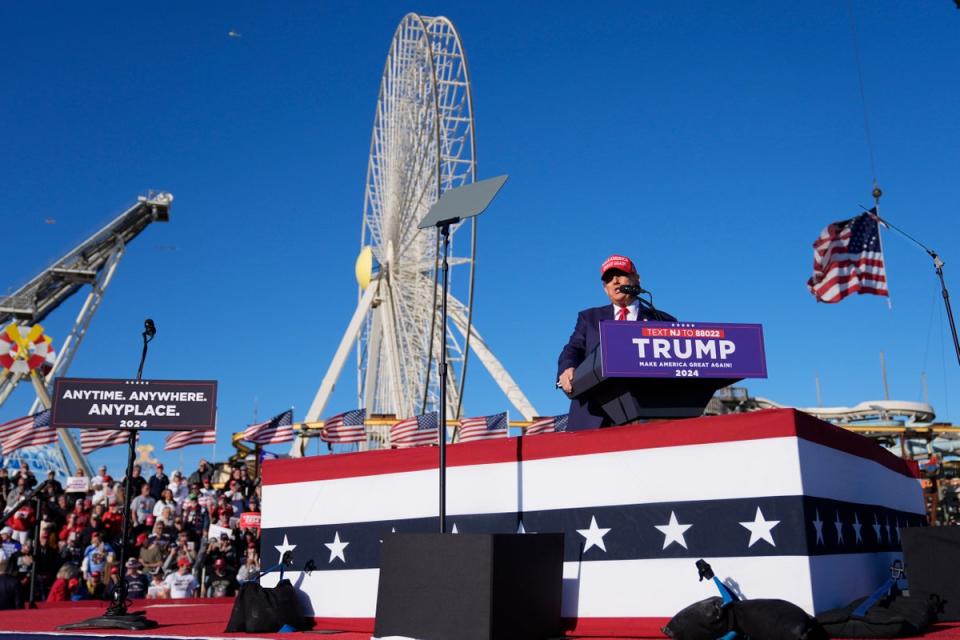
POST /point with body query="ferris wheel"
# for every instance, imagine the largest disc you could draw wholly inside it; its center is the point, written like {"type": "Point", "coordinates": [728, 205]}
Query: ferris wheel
{"type": "Point", "coordinates": [423, 144]}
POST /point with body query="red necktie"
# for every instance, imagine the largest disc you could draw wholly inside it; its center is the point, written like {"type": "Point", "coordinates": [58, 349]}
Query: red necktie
{"type": "Point", "coordinates": [623, 314]}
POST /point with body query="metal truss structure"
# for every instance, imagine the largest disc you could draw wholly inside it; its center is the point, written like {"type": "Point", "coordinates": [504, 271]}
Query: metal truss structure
{"type": "Point", "coordinates": [93, 262]}
{"type": "Point", "coordinates": [423, 144]}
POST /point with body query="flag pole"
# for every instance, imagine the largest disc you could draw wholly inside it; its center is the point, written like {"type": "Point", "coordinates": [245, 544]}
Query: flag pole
{"type": "Point", "coordinates": [877, 192]}
{"type": "Point", "coordinates": [938, 268]}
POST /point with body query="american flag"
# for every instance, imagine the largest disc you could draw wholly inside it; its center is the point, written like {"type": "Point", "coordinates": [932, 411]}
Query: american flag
{"type": "Point", "coordinates": [484, 427]}
{"type": "Point", "coordinates": [181, 439]}
{"type": "Point", "coordinates": [547, 425]}
{"type": "Point", "coordinates": [27, 431]}
{"type": "Point", "coordinates": [847, 259]}
{"type": "Point", "coordinates": [345, 427]}
{"type": "Point", "coordinates": [277, 429]}
{"type": "Point", "coordinates": [415, 431]}
{"type": "Point", "coordinates": [91, 439]}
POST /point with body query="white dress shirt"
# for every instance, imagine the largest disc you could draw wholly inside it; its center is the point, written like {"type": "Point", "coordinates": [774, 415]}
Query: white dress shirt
{"type": "Point", "coordinates": [633, 310]}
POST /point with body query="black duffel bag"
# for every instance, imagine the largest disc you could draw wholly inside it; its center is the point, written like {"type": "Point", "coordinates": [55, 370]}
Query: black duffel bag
{"type": "Point", "coordinates": [771, 619]}
{"type": "Point", "coordinates": [266, 610]}
{"type": "Point", "coordinates": [896, 616]}
{"type": "Point", "coordinates": [705, 620]}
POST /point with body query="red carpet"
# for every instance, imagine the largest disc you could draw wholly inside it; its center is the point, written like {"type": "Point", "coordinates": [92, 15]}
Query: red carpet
{"type": "Point", "coordinates": [208, 618]}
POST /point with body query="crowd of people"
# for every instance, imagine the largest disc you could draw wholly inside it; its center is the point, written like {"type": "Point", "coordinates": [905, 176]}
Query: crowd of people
{"type": "Point", "coordinates": [194, 536]}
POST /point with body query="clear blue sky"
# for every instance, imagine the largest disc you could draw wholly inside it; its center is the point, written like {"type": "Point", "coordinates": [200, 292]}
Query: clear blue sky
{"type": "Point", "coordinates": [710, 141]}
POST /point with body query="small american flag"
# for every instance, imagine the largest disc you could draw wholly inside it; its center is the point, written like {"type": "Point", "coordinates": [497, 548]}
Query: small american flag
{"type": "Point", "coordinates": [91, 440]}
{"type": "Point", "coordinates": [415, 431]}
{"type": "Point", "coordinates": [182, 439]}
{"type": "Point", "coordinates": [547, 425]}
{"type": "Point", "coordinates": [345, 427]}
{"type": "Point", "coordinates": [484, 427]}
{"type": "Point", "coordinates": [848, 259]}
{"type": "Point", "coordinates": [277, 429]}
{"type": "Point", "coordinates": [27, 432]}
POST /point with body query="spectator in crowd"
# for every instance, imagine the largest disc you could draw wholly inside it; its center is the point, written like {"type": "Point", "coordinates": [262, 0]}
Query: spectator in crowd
{"type": "Point", "coordinates": [151, 555]}
{"type": "Point", "coordinates": [23, 520]}
{"type": "Point", "coordinates": [10, 597]}
{"type": "Point", "coordinates": [4, 484]}
{"type": "Point", "coordinates": [142, 505]}
{"type": "Point", "coordinates": [93, 586]}
{"type": "Point", "coordinates": [137, 583]}
{"type": "Point", "coordinates": [165, 502]}
{"type": "Point", "coordinates": [207, 490]}
{"type": "Point", "coordinates": [20, 489]}
{"type": "Point", "coordinates": [182, 583]}
{"type": "Point", "coordinates": [221, 582]}
{"type": "Point", "coordinates": [66, 584]}
{"type": "Point", "coordinates": [136, 480]}
{"type": "Point", "coordinates": [112, 521]}
{"type": "Point", "coordinates": [26, 473]}
{"type": "Point", "coordinates": [158, 482]}
{"type": "Point", "coordinates": [204, 472]}
{"type": "Point", "coordinates": [103, 477]}
{"type": "Point", "coordinates": [158, 587]}
{"type": "Point", "coordinates": [52, 481]}
{"type": "Point", "coordinates": [179, 488]}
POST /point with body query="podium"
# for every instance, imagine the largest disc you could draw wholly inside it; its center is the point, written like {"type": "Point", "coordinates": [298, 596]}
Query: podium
{"type": "Point", "coordinates": [666, 369]}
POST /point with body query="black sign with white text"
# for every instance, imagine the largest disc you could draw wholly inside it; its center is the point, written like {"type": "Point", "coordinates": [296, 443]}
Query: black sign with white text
{"type": "Point", "coordinates": [154, 405]}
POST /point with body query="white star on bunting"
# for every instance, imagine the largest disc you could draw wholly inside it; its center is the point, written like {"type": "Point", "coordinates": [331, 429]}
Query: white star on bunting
{"type": "Point", "coordinates": [818, 525]}
{"type": "Point", "coordinates": [876, 528]}
{"type": "Point", "coordinates": [454, 530]}
{"type": "Point", "coordinates": [839, 527]}
{"type": "Point", "coordinates": [760, 529]}
{"type": "Point", "coordinates": [856, 528]}
{"type": "Point", "coordinates": [673, 531]}
{"type": "Point", "coordinates": [593, 536]}
{"type": "Point", "coordinates": [283, 548]}
{"type": "Point", "coordinates": [336, 548]}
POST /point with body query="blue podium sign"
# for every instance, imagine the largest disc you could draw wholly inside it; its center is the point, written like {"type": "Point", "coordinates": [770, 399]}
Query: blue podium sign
{"type": "Point", "coordinates": [682, 350]}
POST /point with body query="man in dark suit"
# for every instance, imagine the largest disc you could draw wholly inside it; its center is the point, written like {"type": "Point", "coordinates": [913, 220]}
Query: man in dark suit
{"type": "Point", "coordinates": [615, 272]}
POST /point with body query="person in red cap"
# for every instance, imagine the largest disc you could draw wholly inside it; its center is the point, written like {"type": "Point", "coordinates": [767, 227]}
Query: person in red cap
{"type": "Point", "coordinates": [616, 271]}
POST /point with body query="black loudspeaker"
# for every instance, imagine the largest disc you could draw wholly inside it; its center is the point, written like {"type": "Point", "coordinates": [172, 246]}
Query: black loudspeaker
{"type": "Point", "coordinates": [931, 556]}
{"type": "Point", "coordinates": [436, 586]}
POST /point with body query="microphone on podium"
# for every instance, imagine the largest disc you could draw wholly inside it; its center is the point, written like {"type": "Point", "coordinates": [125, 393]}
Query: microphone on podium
{"type": "Point", "coordinates": [632, 290]}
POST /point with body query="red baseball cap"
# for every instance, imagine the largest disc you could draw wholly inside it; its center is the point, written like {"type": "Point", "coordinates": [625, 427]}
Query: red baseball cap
{"type": "Point", "coordinates": [183, 561]}
{"type": "Point", "coordinates": [623, 263]}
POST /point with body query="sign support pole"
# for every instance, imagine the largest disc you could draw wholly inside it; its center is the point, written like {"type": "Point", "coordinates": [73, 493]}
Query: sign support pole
{"type": "Point", "coordinates": [116, 616]}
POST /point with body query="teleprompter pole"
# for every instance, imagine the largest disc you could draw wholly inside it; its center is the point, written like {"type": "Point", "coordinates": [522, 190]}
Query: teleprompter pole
{"type": "Point", "coordinates": [453, 206]}
{"type": "Point", "coordinates": [444, 230]}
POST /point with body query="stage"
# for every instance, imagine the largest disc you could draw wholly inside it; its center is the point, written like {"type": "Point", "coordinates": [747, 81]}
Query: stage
{"type": "Point", "coordinates": [207, 618]}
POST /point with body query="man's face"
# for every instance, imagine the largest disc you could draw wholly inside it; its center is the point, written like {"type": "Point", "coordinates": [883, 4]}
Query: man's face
{"type": "Point", "coordinates": [613, 280]}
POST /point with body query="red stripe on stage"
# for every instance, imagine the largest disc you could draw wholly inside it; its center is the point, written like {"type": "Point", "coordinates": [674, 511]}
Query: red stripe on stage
{"type": "Point", "coordinates": [585, 627]}
{"type": "Point", "coordinates": [770, 423]}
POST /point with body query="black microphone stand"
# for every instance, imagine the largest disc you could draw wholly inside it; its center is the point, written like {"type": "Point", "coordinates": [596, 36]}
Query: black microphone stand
{"type": "Point", "coordinates": [117, 616]}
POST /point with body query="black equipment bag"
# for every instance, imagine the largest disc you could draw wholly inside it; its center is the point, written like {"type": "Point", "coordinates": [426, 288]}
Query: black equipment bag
{"type": "Point", "coordinates": [891, 617]}
{"type": "Point", "coordinates": [260, 610]}
{"type": "Point", "coordinates": [773, 619]}
{"type": "Point", "coordinates": [704, 620]}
